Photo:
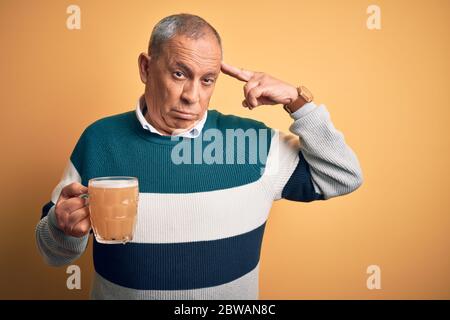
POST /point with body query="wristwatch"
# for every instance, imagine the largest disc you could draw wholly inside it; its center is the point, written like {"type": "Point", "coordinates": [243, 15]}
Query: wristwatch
{"type": "Point", "coordinates": [304, 96]}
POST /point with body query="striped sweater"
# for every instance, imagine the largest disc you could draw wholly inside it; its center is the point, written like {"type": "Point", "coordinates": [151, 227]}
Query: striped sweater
{"type": "Point", "coordinates": [203, 202]}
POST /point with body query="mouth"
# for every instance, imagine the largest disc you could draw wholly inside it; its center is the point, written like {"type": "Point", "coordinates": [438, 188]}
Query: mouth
{"type": "Point", "coordinates": [184, 115]}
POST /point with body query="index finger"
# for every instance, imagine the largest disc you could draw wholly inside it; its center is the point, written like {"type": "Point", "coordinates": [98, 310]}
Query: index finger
{"type": "Point", "coordinates": [238, 73]}
{"type": "Point", "coordinates": [74, 189]}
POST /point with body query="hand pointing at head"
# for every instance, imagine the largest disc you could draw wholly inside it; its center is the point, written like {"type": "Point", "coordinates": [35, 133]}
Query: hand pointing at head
{"type": "Point", "coordinates": [261, 88]}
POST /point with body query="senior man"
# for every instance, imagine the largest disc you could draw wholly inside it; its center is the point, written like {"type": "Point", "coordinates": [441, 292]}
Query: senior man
{"type": "Point", "coordinates": [200, 219]}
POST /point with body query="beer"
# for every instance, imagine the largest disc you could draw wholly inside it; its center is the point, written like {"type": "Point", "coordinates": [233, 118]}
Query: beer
{"type": "Point", "coordinates": [113, 205]}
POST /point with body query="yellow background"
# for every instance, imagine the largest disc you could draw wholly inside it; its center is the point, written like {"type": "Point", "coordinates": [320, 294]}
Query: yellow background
{"type": "Point", "coordinates": [387, 90]}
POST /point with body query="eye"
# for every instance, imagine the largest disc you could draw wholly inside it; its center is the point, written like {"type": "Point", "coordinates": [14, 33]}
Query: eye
{"type": "Point", "coordinates": [178, 74]}
{"type": "Point", "coordinates": [209, 81]}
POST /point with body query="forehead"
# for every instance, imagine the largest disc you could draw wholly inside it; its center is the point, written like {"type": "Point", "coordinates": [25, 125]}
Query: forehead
{"type": "Point", "coordinates": [203, 54]}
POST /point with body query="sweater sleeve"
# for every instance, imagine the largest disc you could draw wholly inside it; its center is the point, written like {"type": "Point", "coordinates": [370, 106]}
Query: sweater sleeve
{"type": "Point", "coordinates": [315, 163]}
{"type": "Point", "coordinates": [54, 245]}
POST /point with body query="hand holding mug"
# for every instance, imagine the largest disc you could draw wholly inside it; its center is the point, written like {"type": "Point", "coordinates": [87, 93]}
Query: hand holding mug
{"type": "Point", "coordinates": [72, 212]}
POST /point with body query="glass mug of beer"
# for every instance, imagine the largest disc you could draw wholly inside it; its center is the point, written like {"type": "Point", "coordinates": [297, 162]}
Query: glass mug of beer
{"type": "Point", "coordinates": [113, 203]}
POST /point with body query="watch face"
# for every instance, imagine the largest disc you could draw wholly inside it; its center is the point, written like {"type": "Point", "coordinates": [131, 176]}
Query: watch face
{"type": "Point", "coordinates": [306, 94]}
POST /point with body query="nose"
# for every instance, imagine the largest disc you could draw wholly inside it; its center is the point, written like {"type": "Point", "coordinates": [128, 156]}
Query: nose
{"type": "Point", "coordinates": [191, 92]}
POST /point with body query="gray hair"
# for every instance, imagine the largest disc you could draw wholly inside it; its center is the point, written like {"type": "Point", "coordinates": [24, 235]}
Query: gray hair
{"type": "Point", "coordinates": [185, 24]}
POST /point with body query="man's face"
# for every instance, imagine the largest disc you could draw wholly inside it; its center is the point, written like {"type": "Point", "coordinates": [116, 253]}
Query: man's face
{"type": "Point", "coordinates": [180, 82]}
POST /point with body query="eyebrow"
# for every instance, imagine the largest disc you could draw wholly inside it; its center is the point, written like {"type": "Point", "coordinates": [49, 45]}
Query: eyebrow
{"type": "Point", "coordinates": [189, 71]}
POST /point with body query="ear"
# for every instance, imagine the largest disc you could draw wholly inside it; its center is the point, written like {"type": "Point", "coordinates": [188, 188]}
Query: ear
{"type": "Point", "coordinates": [144, 64]}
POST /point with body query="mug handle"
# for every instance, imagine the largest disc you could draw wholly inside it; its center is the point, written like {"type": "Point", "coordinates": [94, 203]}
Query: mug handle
{"type": "Point", "coordinates": [84, 196]}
